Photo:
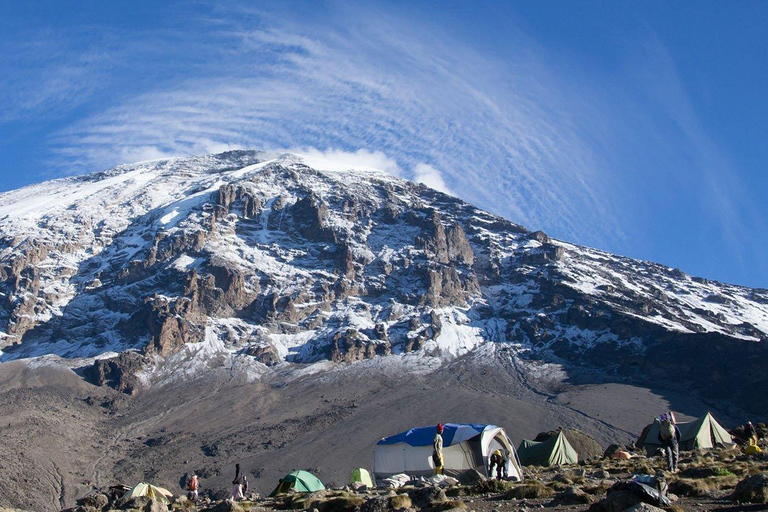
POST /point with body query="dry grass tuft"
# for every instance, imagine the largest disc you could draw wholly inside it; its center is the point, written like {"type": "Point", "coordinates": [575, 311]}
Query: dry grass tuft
{"type": "Point", "coordinates": [401, 501]}
{"type": "Point", "coordinates": [334, 504]}
{"type": "Point", "coordinates": [558, 486]}
{"type": "Point", "coordinates": [597, 490]}
{"type": "Point", "coordinates": [643, 469]}
{"type": "Point", "coordinates": [575, 476]}
{"type": "Point", "coordinates": [490, 487]}
{"type": "Point", "coordinates": [702, 486]}
{"type": "Point", "coordinates": [690, 487]}
{"type": "Point", "coordinates": [530, 490]}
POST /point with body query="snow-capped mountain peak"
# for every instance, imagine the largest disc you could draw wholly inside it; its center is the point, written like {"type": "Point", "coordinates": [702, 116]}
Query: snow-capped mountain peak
{"type": "Point", "coordinates": [246, 258]}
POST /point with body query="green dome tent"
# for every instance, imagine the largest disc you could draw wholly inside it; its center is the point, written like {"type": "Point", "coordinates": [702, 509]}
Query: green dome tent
{"type": "Point", "coordinates": [554, 451]}
{"type": "Point", "coordinates": [704, 432]}
{"type": "Point", "coordinates": [361, 476]}
{"type": "Point", "coordinates": [300, 481]}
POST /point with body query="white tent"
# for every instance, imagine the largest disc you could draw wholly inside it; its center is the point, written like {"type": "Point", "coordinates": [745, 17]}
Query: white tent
{"type": "Point", "coordinates": [465, 446]}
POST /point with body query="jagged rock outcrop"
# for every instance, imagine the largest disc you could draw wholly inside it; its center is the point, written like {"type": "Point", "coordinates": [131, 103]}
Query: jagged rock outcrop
{"type": "Point", "coordinates": [345, 266]}
{"type": "Point", "coordinates": [351, 346]}
{"type": "Point", "coordinates": [118, 372]}
{"type": "Point", "coordinates": [167, 325]}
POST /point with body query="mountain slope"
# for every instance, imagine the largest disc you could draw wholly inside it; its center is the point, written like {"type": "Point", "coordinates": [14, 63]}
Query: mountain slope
{"type": "Point", "coordinates": [256, 306]}
{"type": "Point", "coordinates": [259, 261]}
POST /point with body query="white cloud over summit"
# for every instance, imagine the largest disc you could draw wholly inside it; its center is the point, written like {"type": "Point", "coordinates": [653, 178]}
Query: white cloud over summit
{"type": "Point", "coordinates": [600, 152]}
{"type": "Point", "coordinates": [368, 84]}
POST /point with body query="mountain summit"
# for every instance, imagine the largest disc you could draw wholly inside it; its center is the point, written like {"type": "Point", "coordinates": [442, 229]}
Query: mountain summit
{"type": "Point", "coordinates": [265, 263]}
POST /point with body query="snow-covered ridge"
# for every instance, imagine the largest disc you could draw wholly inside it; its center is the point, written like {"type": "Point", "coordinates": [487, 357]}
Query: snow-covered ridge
{"type": "Point", "coordinates": [266, 261]}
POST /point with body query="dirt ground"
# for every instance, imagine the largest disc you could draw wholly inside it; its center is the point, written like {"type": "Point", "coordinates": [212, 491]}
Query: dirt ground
{"type": "Point", "coordinates": [62, 437]}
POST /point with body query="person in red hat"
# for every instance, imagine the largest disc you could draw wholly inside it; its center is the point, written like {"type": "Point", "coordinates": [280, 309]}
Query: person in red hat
{"type": "Point", "coordinates": [437, 450]}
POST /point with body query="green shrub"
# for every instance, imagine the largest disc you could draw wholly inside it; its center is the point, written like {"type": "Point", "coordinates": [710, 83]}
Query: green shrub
{"type": "Point", "coordinates": [722, 471]}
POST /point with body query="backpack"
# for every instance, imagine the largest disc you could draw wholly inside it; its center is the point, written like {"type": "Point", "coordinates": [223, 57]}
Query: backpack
{"type": "Point", "coordinates": [667, 430]}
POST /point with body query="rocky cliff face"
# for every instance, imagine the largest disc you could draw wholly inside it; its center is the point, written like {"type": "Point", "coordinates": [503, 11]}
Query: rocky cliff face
{"type": "Point", "coordinates": [248, 259]}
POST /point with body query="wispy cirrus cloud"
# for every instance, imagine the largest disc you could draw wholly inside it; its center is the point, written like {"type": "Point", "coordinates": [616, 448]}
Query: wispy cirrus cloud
{"type": "Point", "coordinates": [374, 83]}
{"type": "Point", "coordinates": [603, 156]}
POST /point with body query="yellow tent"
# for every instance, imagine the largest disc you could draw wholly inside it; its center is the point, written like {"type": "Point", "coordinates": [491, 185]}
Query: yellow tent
{"type": "Point", "coordinates": [149, 490]}
{"type": "Point", "coordinates": [361, 476]}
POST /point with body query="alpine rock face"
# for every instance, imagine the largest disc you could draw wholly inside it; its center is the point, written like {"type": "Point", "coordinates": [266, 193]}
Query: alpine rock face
{"type": "Point", "coordinates": [266, 262]}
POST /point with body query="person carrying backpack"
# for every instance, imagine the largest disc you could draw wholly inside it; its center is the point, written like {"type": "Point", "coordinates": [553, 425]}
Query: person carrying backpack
{"type": "Point", "coordinates": [669, 437]}
{"type": "Point", "coordinates": [193, 487]}
{"type": "Point", "coordinates": [239, 485]}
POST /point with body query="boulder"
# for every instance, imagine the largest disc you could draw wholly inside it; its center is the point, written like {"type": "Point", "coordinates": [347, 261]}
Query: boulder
{"type": "Point", "coordinates": [225, 506]}
{"type": "Point", "coordinates": [608, 453]}
{"type": "Point", "coordinates": [753, 489]}
{"type": "Point", "coordinates": [644, 507]}
{"type": "Point", "coordinates": [471, 477]}
{"type": "Point", "coordinates": [573, 496]}
{"type": "Point", "coordinates": [617, 501]}
{"type": "Point", "coordinates": [139, 503]}
{"type": "Point", "coordinates": [375, 504]}
{"type": "Point", "coordinates": [97, 501]}
{"type": "Point", "coordinates": [156, 506]}
{"type": "Point", "coordinates": [426, 496]}
{"type": "Point", "coordinates": [626, 494]}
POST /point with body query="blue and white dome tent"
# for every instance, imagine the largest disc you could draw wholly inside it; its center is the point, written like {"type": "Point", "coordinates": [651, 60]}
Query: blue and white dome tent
{"type": "Point", "coordinates": [465, 446]}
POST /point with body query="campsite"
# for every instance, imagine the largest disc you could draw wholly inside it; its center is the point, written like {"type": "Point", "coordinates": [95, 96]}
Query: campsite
{"type": "Point", "coordinates": [715, 473]}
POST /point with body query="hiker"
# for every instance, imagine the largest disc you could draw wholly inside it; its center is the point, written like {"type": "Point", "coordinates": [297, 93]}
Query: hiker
{"type": "Point", "coordinates": [500, 461]}
{"type": "Point", "coordinates": [437, 450]}
{"type": "Point", "coordinates": [239, 485]}
{"type": "Point", "coordinates": [193, 486]}
{"type": "Point", "coordinates": [669, 437]}
{"type": "Point", "coordinates": [750, 433]}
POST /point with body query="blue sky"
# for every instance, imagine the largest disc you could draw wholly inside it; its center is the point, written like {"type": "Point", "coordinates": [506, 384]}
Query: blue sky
{"type": "Point", "coordinates": [634, 127]}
